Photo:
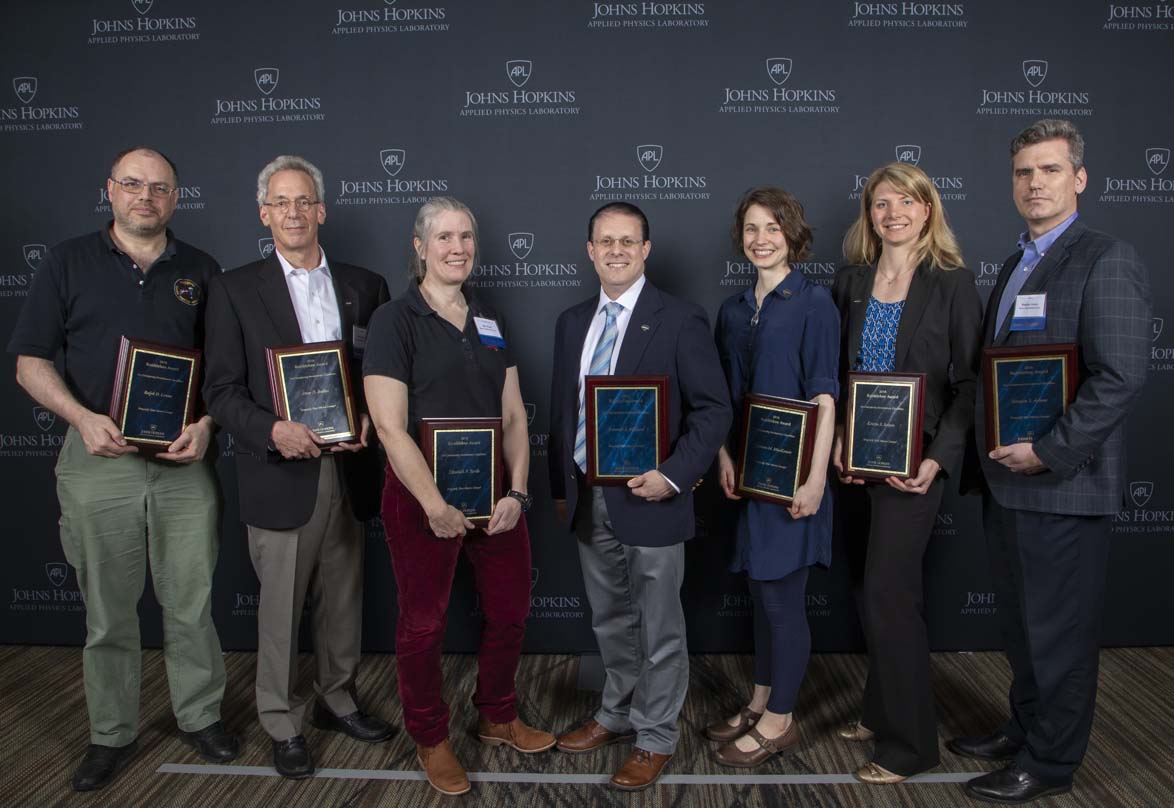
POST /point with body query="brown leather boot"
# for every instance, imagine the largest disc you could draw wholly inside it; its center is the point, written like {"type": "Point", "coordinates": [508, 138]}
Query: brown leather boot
{"type": "Point", "coordinates": [640, 770]}
{"type": "Point", "coordinates": [514, 734]}
{"type": "Point", "coordinates": [444, 772]}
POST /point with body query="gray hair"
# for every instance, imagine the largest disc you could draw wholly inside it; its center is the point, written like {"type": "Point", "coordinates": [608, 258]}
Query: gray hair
{"type": "Point", "coordinates": [1052, 129]}
{"type": "Point", "coordinates": [423, 228]}
{"type": "Point", "coordinates": [289, 162]}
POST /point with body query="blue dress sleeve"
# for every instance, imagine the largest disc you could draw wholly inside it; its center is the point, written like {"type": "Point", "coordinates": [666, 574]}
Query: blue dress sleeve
{"type": "Point", "coordinates": [820, 350]}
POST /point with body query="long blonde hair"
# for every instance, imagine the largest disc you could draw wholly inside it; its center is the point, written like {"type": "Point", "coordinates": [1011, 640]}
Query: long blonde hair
{"type": "Point", "coordinates": [937, 242]}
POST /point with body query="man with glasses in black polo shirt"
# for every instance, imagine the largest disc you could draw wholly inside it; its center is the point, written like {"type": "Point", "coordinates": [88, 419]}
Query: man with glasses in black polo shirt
{"type": "Point", "coordinates": [132, 278]}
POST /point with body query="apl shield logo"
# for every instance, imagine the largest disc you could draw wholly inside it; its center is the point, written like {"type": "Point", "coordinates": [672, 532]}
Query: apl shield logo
{"type": "Point", "coordinates": [142, 6]}
{"type": "Point", "coordinates": [779, 69]}
{"type": "Point", "coordinates": [649, 156]}
{"type": "Point", "coordinates": [25, 87]}
{"type": "Point", "coordinates": [265, 247]}
{"type": "Point", "coordinates": [521, 244]}
{"type": "Point", "coordinates": [1035, 71]}
{"type": "Point", "coordinates": [518, 71]}
{"type": "Point", "coordinates": [392, 161]}
{"type": "Point", "coordinates": [266, 78]}
{"type": "Point", "coordinates": [909, 154]}
{"type": "Point", "coordinates": [533, 577]}
{"type": "Point", "coordinates": [530, 410]}
{"type": "Point", "coordinates": [57, 572]}
{"type": "Point", "coordinates": [1157, 160]}
{"type": "Point", "coordinates": [33, 253]}
{"type": "Point", "coordinates": [44, 418]}
{"type": "Point", "coordinates": [1158, 324]}
{"type": "Point", "coordinates": [1140, 492]}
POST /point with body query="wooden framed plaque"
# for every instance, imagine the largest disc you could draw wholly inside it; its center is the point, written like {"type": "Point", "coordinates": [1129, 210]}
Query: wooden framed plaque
{"type": "Point", "coordinates": [311, 384]}
{"type": "Point", "coordinates": [627, 426]}
{"type": "Point", "coordinates": [883, 434]}
{"type": "Point", "coordinates": [1027, 389]}
{"type": "Point", "coordinates": [154, 397]}
{"type": "Point", "coordinates": [775, 447]}
{"type": "Point", "coordinates": [464, 456]}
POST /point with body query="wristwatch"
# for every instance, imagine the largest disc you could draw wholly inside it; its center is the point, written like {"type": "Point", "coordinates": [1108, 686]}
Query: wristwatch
{"type": "Point", "coordinates": [525, 500]}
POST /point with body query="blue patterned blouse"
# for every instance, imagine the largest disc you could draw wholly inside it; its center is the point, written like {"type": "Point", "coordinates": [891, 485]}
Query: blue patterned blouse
{"type": "Point", "coordinates": [878, 343]}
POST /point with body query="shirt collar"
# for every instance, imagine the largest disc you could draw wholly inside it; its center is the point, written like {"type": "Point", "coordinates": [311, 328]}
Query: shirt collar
{"type": "Point", "coordinates": [1044, 243]}
{"type": "Point", "coordinates": [288, 269]}
{"type": "Point", "coordinates": [627, 299]}
{"type": "Point", "coordinates": [787, 288]}
{"type": "Point", "coordinates": [108, 240]}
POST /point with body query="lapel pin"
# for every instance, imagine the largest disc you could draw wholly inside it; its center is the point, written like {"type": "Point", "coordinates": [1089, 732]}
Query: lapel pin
{"type": "Point", "coordinates": [645, 327]}
{"type": "Point", "coordinates": [786, 293]}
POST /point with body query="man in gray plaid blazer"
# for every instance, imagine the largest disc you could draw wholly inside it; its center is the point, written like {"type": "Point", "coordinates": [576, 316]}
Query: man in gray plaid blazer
{"type": "Point", "coordinates": [1048, 505]}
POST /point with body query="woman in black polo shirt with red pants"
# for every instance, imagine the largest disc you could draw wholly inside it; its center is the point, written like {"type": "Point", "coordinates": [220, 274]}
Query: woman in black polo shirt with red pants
{"type": "Point", "coordinates": [437, 352]}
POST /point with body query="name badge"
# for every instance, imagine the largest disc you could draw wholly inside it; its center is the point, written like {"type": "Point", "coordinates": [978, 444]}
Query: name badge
{"type": "Point", "coordinates": [359, 338]}
{"type": "Point", "coordinates": [489, 333]}
{"type": "Point", "coordinates": [1031, 312]}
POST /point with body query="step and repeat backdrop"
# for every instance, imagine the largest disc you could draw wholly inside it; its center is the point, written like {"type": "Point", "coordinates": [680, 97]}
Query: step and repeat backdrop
{"type": "Point", "coordinates": [536, 113]}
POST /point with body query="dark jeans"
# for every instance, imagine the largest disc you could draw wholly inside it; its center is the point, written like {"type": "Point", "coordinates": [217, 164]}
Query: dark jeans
{"type": "Point", "coordinates": [782, 639]}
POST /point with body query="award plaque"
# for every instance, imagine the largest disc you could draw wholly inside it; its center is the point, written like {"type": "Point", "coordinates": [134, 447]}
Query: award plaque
{"type": "Point", "coordinates": [464, 455]}
{"type": "Point", "coordinates": [311, 384]}
{"type": "Point", "coordinates": [627, 426]}
{"type": "Point", "coordinates": [1027, 389]}
{"type": "Point", "coordinates": [883, 434]}
{"type": "Point", "coordinates": [154, 396]}
{"type": "Point", "coordinates": [778, 439]}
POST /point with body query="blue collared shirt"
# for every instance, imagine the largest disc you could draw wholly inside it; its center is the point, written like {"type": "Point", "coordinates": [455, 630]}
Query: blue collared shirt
{"type": "Point", "coordinates": [1033, 251]}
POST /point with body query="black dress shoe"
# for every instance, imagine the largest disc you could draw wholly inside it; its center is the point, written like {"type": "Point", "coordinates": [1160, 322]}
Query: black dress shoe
{"type": "Point", "coordinates": [358, 724]}
{"type": "Point", "coordinates": [1012, 785]}
{"type": "Point", "coordinates": [995, 746]}
{"type": "Point", "coordinates": [213, 743]}
{"type": "Point", "coordinates": [100, 764]}
{"type": "Point", "coordinates": [292, 759]}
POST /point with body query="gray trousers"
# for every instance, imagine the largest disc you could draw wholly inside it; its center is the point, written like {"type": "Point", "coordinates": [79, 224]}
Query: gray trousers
{"type": "Point", "coordinates": [635, 597]}
{"type": "Point", "coordinates": [325, 558]}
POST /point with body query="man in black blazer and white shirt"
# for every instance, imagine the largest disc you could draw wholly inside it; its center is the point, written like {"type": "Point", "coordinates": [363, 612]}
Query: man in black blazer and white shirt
{"type": "Point", "coordinates": [302, 501]}
{"type": "Point", "coordinates": [1048, 505]}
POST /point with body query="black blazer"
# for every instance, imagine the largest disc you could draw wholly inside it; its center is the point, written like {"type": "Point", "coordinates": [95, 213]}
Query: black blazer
{"type": "Point", "coordinates": [940, 335]}
{"type": "Point", "coordinates": [664, 336]}
{"type": "Point", "coordinates": [249, 310]}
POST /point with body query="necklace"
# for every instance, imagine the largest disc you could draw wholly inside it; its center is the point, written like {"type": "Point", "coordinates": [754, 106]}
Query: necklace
{"type": "Point", "coordinates": [896, 277]}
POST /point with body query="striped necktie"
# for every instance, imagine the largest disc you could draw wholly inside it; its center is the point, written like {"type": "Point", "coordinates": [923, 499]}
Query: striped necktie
{"type": "Point", "coordinates": [600, 366]}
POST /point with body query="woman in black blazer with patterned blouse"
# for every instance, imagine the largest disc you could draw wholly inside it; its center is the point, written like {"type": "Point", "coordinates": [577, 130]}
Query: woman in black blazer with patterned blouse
{"type": "Point", "coordinates": [906, 305]}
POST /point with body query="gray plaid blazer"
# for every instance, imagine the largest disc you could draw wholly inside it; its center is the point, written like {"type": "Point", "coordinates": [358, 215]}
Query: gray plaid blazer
{"type": "Point", "coordinates": [1099, 298]}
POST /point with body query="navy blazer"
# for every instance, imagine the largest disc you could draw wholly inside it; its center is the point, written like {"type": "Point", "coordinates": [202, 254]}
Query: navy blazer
{"type": "Point", "coordinates": [249, 310]}
{"type": "Point", "coordinates": [940, 335]}
{"type": "Point", "coordinates": [1099, 298]}
{"type": "Point", "coordinates": [664, 336]}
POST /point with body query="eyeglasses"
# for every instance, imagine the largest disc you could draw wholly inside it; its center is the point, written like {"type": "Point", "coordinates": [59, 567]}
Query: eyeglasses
{"type": "Point", "coordinates": [284, 205]}
{"type": "Point", "coordinates": [607, 242]}
{"type": "Point", "coordinates": [133, 186]}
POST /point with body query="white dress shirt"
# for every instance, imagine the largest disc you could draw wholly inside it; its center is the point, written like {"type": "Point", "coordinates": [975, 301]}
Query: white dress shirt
{"type": "Point", "coordinates": [314, 301]}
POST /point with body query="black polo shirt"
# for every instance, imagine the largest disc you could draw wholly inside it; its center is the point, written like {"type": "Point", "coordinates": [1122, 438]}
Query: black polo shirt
{"type": "Point", "coordinates": [87, 294]}
{"type": "Point", "coordinates": [449, 373]}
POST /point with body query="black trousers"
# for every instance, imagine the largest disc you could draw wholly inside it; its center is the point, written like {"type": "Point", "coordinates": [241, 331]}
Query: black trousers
{"type": "Point", "coordinates": [1049, 579]}
{"type": "Point", "coordinates": [887, 532]}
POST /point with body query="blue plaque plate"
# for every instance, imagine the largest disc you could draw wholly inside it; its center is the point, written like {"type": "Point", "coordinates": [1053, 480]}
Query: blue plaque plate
{"type": "Point", "coordinates": [154, 392]}
{"type": "Point", "coordinates": [1027, 390]}
{"type": "Point", "coordinates": [778, 438]}
{"type": "Point", "coordinates": [464, 457]}
{"type": "Point", "coordinates": [626, 426]}
{"type": "Point", "coordinates": [311, 385]}
{"type": "Point", "coordinates": [884, 424]}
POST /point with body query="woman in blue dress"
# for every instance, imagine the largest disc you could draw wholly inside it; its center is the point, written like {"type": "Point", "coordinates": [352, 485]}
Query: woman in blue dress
{"type": "Point", "coordinates": [781, 338]}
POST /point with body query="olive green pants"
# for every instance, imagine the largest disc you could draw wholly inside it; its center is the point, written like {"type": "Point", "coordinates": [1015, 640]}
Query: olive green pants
{"type": "Point", "coordinates": [116, 515]}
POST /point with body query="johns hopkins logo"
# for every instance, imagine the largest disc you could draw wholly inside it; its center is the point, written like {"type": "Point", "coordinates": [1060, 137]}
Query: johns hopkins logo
{"type": "Point", "coordinates": [57, 572]}
{"type": "Point", "coordinates": [533, 577]}
{"type": "Point", "coordinates": [1157, 159]}
{"type": "Point", "coordinates": [1140, 492]}
{"type": "Point", "coordinates": [265, 247]}
{"type": "Point", "coordinates": [44, 418]}
{"type": "Point", "coordinates": [521, 244]}
{"type": "Point", "coordinates": [1035, 71]}
{"type": "Point", "coordinates": [779, 69]}
{"type": "Point", "coordinates": [142, 6]}
{"type": "Point", "coordinates": [649, 156]}
{"type": "Point", "coordinates": [909, 154]}
{"type": "Point", "coordinates": [33, 253]}
{"type": "Point", "coordinates": [25, 88]}
{"type": "Point", "coordinates": [1158, 325]}
{"type": "Point", "coordinates": [266, 78]}
{"type": "Point", "coordinates": [518, 71]}
{"type": "Point", "coordinates": [392, 161]}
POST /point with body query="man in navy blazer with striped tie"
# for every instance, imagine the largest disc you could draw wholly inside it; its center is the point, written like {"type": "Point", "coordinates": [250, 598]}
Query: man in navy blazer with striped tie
{"type": "Point", "coordinates": [631, 539]}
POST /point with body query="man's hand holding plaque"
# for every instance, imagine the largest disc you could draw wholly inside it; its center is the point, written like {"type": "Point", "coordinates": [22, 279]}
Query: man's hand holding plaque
{"type": "Point", "coordinates": [311, 387]}
{"type": "Point", "coordinates": [627, 431]}
{"type": "Point", "coordinates": [154, 398]}
{"type": "Point", "coordinates": [1027, 389]}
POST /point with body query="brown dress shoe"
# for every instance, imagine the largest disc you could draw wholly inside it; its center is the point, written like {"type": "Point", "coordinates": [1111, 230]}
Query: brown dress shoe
{"type": "Point", "coordinates": [640, 770]}
{"type": "Point", "coordinates": [516, 734]}
{"type": "Point", "coordinates": [441, 767]}
{"type": "Point", "coordinates": [855, 732]}
{"type": "Point", "coordinates": [722, 731]}
{"type": "Point", "coordinates": [590, 736]}
{"type": "Point", "coordinates": [731, 755]}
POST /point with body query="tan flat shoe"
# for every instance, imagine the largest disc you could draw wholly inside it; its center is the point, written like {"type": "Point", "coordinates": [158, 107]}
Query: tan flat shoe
{"type": "Point", "coordinates": [856, 731]}
{"type": "Point", "coordinates": [878, 775]}
{"type": "Point", "coordinates": [722, 731]}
